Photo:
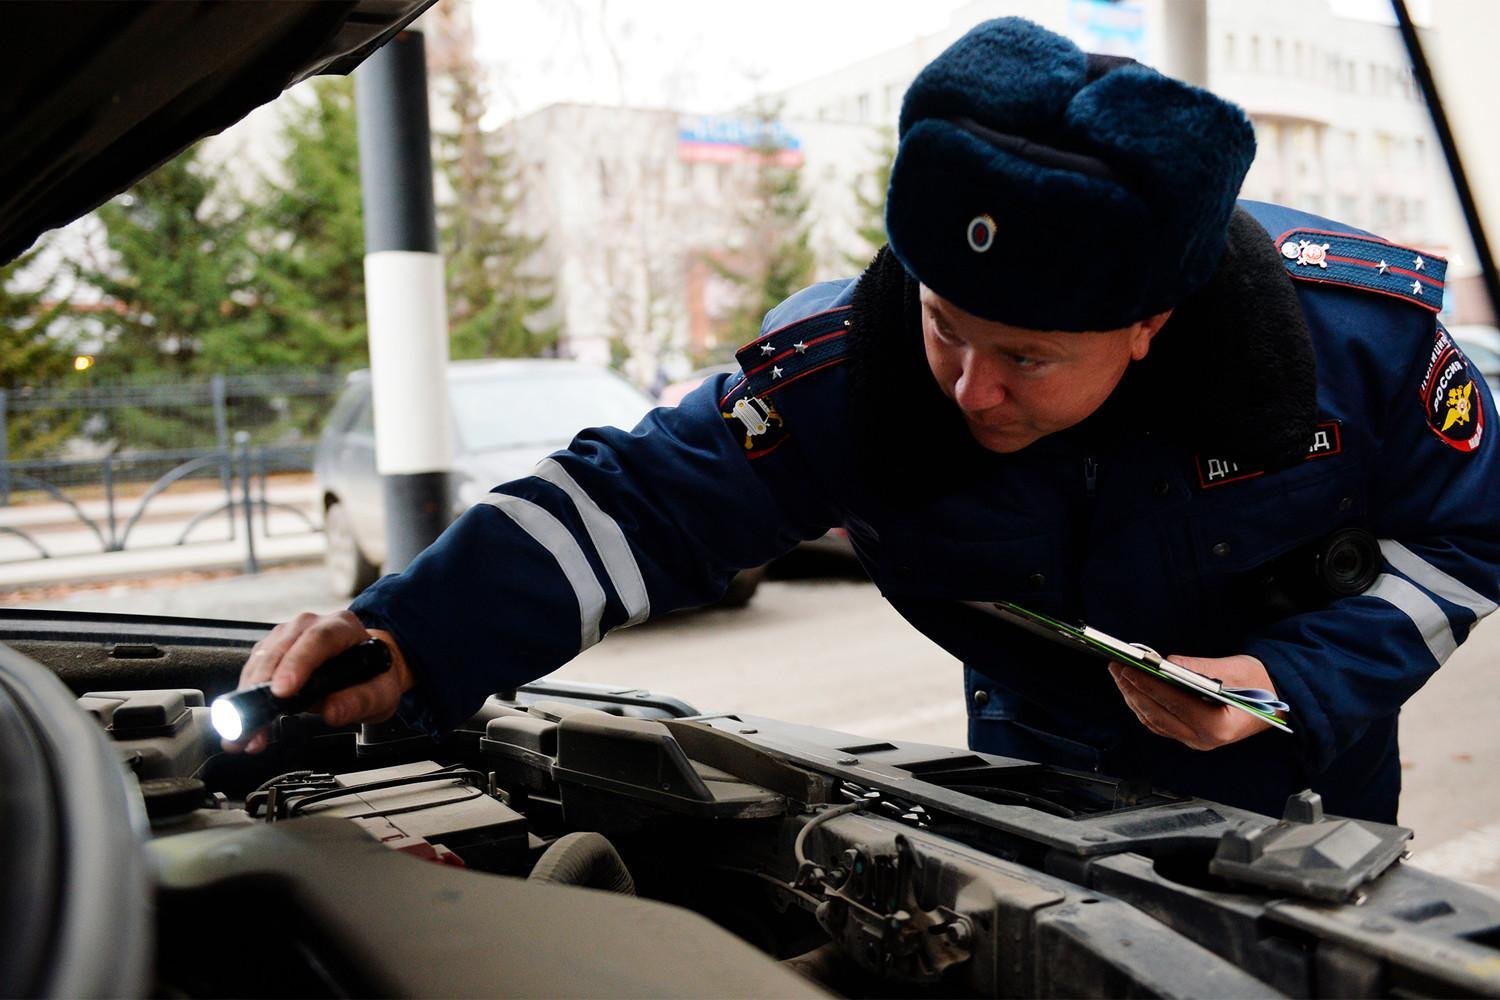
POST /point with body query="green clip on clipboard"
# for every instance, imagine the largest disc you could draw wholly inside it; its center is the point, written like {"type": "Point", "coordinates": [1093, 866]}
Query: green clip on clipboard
{"type": "Point", "coordinates": [1261, 704]}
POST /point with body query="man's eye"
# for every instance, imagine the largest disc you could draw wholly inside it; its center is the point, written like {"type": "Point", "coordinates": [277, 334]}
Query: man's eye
{"type": "Point", "coordinates": [1024, 361]}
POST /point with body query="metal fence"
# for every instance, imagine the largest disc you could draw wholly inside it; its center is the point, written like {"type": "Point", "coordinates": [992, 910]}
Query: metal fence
{"type": "Point", "coordinates": [235, 431]}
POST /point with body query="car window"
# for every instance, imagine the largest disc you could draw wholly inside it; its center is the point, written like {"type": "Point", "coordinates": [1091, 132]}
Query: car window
{"type": "Point", "coordinates": [1483, 358]}
{"type": "Point", "coordinates": [535, 407]}
{"type": "Point", "coordinates": [345, 410]}
{"type": "Point", "coordinates": [364, 418]}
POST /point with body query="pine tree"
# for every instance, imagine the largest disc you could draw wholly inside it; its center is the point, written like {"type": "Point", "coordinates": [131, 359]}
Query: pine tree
{"type": "Point", "coordinates": [779, 257]}
{"type": "Point", "coordinates": [30, 358]}
{"type": "Point", "coordinates": [174, 258]}
{"type": "Point", "coordinates": [308, 282]}
{"type": "Point", "coordinates": [494, 295]}
{"type": "Point", "coordinates": [175, 254]}
{"type": "Point", "coordinates": [869, 200]}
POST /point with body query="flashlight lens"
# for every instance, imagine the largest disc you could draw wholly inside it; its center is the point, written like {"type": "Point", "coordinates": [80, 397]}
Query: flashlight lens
{"type": "Point", "coordinates": [226, 719]}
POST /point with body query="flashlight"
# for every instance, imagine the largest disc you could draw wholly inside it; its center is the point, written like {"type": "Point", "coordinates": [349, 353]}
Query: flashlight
{"type": "Point", "coordinates": [243, 712]}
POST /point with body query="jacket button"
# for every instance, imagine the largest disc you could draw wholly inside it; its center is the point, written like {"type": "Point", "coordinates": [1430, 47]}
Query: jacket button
{"type": "Point", "coordinates": [1221, 549]}
{"type": "Point", "coordinates": [1037, 581]}
{"type": "Point", "coordinates": [981, 698]}
{"type": "Point", "coordinates": [1161, 488]}
{"type": "Point", "coordinates": [1346, 503]}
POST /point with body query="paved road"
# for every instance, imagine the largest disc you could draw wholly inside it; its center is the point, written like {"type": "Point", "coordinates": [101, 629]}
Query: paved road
{"type": "Point", "coordinates": [831, 653]}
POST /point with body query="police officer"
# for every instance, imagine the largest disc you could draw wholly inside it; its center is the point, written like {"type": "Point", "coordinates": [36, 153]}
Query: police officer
{"type": "Point", "coordinates": [1082, 379]}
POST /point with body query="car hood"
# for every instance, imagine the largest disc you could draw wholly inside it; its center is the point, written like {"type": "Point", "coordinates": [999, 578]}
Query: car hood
{"type": "Point", "coordinates": [501, 465]}
{"type": "Point", "coordinates": [160, 75]}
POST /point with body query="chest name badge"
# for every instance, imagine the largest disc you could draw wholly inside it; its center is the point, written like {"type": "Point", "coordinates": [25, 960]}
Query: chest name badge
{"type": "Point", "coordinates": [1223, 470]}
{"type": "Point", "coordinates": [1450, 399]}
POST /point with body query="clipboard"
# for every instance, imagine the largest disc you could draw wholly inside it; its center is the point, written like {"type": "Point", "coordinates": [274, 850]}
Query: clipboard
{"type": "Point", "coordinates": [1081, 638]}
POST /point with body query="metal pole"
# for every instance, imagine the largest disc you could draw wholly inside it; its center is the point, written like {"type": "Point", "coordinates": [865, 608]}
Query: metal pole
{"type": "Point", "coordinates": [109, 501]}
{"type": "Point", "coordinates": [1184, 40]}
{"type": "Point", "coordinates": [263, 473]}
{"type": "Point", "coordinates": [221, 434]}
{"type": "Point", "coordinates": [4, 453]}
{"type": "Point", "coordinates": [1422, 71]}
{"type": "Point", "coordinates": [242, 440]}
{"type": "Point", "coordinates": [404, 296]}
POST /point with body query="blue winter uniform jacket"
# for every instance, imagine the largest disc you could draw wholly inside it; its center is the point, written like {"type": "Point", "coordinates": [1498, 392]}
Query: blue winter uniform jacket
{"type": "Point", "coordinates": [1154, 521]}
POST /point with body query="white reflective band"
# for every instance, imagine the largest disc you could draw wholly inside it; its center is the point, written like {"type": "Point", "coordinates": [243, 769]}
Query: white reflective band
{"type": "Point", "coordinates": [1421, 609]}
{"type": "Point", "coordinates": [1423, 572]}
{"type": "Point", "coordinates": [604, 532]}
{"type": "Point", "coordinates": [550, 534]}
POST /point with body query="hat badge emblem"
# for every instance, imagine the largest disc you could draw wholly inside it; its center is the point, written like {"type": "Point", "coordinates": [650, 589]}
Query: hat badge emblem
{"type": "Point", "coordinates": [981, 233]}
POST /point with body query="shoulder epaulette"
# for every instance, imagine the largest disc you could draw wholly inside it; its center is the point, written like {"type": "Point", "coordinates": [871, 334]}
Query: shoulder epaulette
{"type": "Point", "coordinates": [795, 351]}
{"type": "Point", "coordinates": [1364, 262]}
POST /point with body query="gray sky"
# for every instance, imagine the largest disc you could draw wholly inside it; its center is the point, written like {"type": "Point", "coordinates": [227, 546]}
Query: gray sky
{"type": "Point", "coordinates": [706, 55]}
{"type": "Point", "coordinates": [696, 55]}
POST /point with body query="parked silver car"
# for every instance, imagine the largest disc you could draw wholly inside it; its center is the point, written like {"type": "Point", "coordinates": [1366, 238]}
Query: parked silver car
{"type": "Point", "coordinates": [507, 416]}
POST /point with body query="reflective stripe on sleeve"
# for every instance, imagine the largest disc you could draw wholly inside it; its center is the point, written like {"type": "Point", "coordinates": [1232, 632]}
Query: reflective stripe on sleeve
{"type": "Point", "coordinates": [609, 540]}
{"type": "Point", "coordinates": [1421, 571]}
{"type": "Point", "coordinates": [1421, 609]}
{"type": "Point", "coordinates": [550, 533]}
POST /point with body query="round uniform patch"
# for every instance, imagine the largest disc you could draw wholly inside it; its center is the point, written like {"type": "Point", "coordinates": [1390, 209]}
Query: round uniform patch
{"type": "Point", "coordinates": [981, 233]}
{"type": "Point", "coordinates": [1451, 398]}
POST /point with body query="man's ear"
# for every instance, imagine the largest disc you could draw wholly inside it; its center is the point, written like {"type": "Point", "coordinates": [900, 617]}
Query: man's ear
{"type": "Point", "coordinates": [1143, 332]}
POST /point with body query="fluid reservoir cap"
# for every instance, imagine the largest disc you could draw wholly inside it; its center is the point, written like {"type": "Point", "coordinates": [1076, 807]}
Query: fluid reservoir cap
{"type": "Point", "coordinates": [172, 798]}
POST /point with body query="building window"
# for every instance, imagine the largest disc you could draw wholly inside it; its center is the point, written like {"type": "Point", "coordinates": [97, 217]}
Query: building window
{"type": "Point", "coordinates": [862, 107]}
{"type": "Point", "coordinates": [1382, 212]}
{"type": "Point", "coordinates": [1255, 52]}
{"type": "Point", "coordinates": [1299, 61]}
{"type": "Point", "coordinates": [1276, 58]}
{"type": "Point", "coordinates": [1229, 53]}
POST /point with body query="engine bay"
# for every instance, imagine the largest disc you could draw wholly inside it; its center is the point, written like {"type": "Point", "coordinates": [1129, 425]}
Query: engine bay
{"type": "Point", "coordinates": [575, 839]}
{"type": "Point", "coordinates": [598, 834]}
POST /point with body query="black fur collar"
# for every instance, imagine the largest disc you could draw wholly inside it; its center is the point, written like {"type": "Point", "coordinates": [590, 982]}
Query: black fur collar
{"type": "Point", "coordinates": [1231, 373]}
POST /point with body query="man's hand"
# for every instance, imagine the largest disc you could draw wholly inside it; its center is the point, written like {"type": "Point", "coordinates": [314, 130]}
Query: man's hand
{"type": "Point", "coordinates": [1170, 711]}
{"type": "Point", "coordinates": [295, 649]}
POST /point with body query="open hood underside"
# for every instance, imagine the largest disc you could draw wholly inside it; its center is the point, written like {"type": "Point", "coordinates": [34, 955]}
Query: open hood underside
{"type": "Point", "coordinates": [96, 95]}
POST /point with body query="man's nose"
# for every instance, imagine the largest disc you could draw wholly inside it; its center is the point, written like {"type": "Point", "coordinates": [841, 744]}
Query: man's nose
{"type": "Point", "coordinates": [979, 386]}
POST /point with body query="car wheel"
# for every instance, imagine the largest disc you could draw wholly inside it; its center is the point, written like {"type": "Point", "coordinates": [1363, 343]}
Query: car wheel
{"type": "Point", "coordinates": [349, 571]}
{"type": "Point", "coordinates": [742, 588]}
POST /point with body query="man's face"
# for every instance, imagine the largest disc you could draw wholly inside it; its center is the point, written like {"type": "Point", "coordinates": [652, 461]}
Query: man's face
{"type": "Point", "coordinates": [1015, 386]}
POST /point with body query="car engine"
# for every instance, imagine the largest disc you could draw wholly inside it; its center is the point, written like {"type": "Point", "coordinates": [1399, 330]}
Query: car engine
{"type": "Point", "coordinates": [582, 839]}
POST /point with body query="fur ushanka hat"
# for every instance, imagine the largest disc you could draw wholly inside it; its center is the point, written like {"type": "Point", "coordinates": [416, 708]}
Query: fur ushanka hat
{"type": "Point", "coordinates": [1046, 188]}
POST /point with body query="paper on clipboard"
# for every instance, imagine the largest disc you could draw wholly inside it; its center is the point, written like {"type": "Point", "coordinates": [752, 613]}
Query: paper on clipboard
{"type": "Point", "coordinates": [1262, 704]}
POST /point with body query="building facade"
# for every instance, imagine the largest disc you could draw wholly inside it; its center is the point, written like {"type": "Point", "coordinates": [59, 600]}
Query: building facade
{"type": "Point", "coordinates": [642, 209]}
{"type": "Point", "coordinates": [1341, 126]}
{"type": "Point", "coordinates": [636, 211]}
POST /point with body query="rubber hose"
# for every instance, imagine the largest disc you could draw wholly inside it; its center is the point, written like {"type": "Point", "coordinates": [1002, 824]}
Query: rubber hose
{"type": "Point", "coordinates": [586, 859]}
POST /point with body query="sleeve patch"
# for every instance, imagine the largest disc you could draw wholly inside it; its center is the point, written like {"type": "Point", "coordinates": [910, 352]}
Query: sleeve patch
{"type": "Point", "coordinates": [1366, 263]}
{"type": "Point", "coordinates": [755, 421]}
{"type": "Point", "coordinates": [1453, 404]}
